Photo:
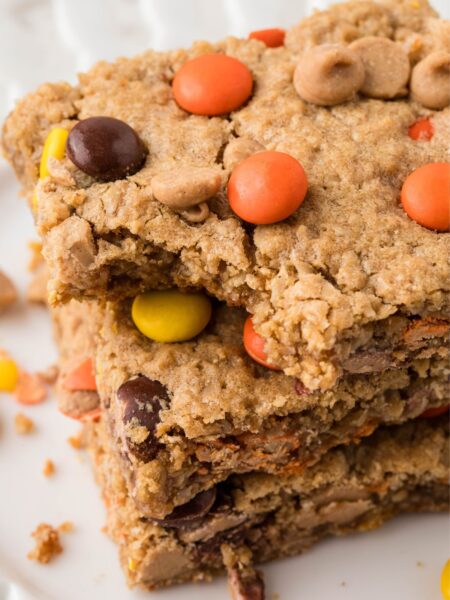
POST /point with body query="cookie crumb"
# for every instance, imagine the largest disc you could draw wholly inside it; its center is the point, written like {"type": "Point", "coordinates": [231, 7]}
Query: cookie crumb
{"type": "Point", "coordinates": [30, 389]}
{"type": "Point", "coordinates": [49, 468]}
{"type": "Point", "coordinates": [76, 441]}
{"type": "Point", "coordinates": [47, 544]}
{"type": "Point", "coordinates": [23, 425]}
{"type": "Point", "coordinates": [49, 375]}
{"type": "Point", "coordinates": [66, 527]}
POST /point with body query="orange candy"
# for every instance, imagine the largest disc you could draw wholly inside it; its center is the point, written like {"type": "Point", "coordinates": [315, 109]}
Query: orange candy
{"type": "Point", "coordinates": [437, 411]}
{"type": "Point", "coordinates": [81, 378]}
{"type": "Point", "coordinates": [273, 38]}
{"type": "Point", "coordinates": [422, 130]}
{"type": "Point", "coordinates": [425, 196]}
{"type": "Point", "coordinates": [212, 84]}
{"type": "Point", "coordinates": [267, 187]}
{"type": "Point", "coordinates": [254, 345]}
{"type": "Point", "coordinates": [30, 389]}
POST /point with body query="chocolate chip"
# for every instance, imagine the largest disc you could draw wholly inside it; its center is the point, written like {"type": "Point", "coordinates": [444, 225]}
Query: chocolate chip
{"type": "Point", "coordinates": [300, 389]}
{"type": "Point", "coordinates": [246, 586]}
{"type": "Point", "coordinates": [142, 400]}
{"type": "Point", "coordinates": [105, 148]}
{"type": "Point", "coordinates": [191, 513]}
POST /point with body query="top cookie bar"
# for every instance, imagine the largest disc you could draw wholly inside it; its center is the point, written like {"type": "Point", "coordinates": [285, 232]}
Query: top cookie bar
{"type": "Point", "coordinates": [197, 198]}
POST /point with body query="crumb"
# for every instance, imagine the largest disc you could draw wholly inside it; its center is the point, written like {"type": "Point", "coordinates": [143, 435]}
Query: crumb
{"type": "Point", "coordinates": [49, 375]}
{"type": "Point", "coordinates": [66, 527]}
{"type": "Point", "coordinates": [30, 389]}
{"type": "Point", "coordinates": [47, 545]}
{"type": "Point", "coordinates": [36, 255]}
{"type": "Point", "coordinates": [49, 468]}
{"type": "Point", "coordinates": [76, 441]}
{"type": "Point", "coordinates": [8, 292]}
{"type": "Point", "coordinates": [420, 564]}
{"type": "Point", "coordinates": [23, 425]}
{"type": "Point", "coordinates": [343, 583]}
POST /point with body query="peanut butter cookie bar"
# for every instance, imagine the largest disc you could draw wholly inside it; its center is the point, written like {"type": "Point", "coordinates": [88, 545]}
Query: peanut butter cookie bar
{"type": "Point", "coordinates": [258, 517]}
{"type": "Point", "coordinates": [307, 183]}
{"type": "Point", "coordinates": [183, 417]}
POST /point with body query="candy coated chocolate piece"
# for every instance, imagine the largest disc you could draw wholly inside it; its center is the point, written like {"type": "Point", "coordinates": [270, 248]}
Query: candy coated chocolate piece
{"type": "Point", "coordinates": [142, 400]}
{"type": "Point", "coordinates": [171, 315]}
{"type": "Point", "coordinates": [105, 148]}
{"type": "Point", "coordinates": [212, 84]}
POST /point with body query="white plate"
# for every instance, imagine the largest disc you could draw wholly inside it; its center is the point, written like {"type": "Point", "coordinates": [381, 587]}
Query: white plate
{"type": "Point", "coordinates": [49, 41]}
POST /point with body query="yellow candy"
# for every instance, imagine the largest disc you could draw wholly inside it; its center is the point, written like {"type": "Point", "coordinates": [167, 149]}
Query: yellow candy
{"type": "Point", "coordinates": [131, 564]}
{"type": "Point", "coordinates": [445, 581]}
{"type": "Point", "coordinates": [171, 316]}
{"type": "Point", "coordinates": [34, 201]}
{"type": "Point", "coordinates": [9, 374]}
{"type": "Point", "coordinates": [54, 147]}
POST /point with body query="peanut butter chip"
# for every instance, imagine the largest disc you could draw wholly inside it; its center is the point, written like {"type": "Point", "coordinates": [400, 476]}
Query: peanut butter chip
{"type": "Point", "coordinates": [186, 186]}
{"type": "Point", "coordinates": [238, 150]}
{"type": "Point", "coordinates": [328, 75]}
{"type": "Point", "coordinates": [196, 214]}
{"type": "Point", "coordinates": [386, 65]}
{"type": "Point", "coordinates": [430, 80]}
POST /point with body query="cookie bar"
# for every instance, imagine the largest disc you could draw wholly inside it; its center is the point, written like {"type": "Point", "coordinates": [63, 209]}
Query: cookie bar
{"type": "Point", "coordinates": [185, 416]}
{"type": "Point", "coordinates": [327, 282]}
{"type": "Point", "coordinates": [353, 488]}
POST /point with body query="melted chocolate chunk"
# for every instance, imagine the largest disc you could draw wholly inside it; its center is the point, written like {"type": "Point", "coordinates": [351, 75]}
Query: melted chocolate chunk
{"type": "Point", "coordinates": [105, 148]}
{"type": "Point", "coordinates": [192, 513]}
{"type": "Point", "coordinates": [142, 400]}
{"type": "Point", "coordinates": [246, 586]}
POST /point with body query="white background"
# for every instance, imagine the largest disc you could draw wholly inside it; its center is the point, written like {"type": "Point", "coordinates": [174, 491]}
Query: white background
{"type": "Point", "coordinates": [44, 40]}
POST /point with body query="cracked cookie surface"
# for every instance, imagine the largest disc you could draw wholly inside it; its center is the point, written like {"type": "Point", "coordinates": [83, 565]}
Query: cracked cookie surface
{"type": "Point", "coordinates": [320, 285]}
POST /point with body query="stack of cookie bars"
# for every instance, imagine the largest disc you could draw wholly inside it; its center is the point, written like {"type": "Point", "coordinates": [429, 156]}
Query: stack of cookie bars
{"type": "Point", "coordinates": [248, 252]}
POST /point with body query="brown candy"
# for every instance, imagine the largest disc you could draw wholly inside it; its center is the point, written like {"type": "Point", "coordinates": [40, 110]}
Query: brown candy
{"type": "Point", "coordinates": [430, 81]}
{"type": "Point", "coordinates": [105, 148]}
{"type": "Point", "coordinates": [328, 75]}
{"type": "Point", "coordinates": [191, 513]}
{"type": "Point", "coordinates": [386, 67]}
{"type": "Point", "coordinates": [142, 400]}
